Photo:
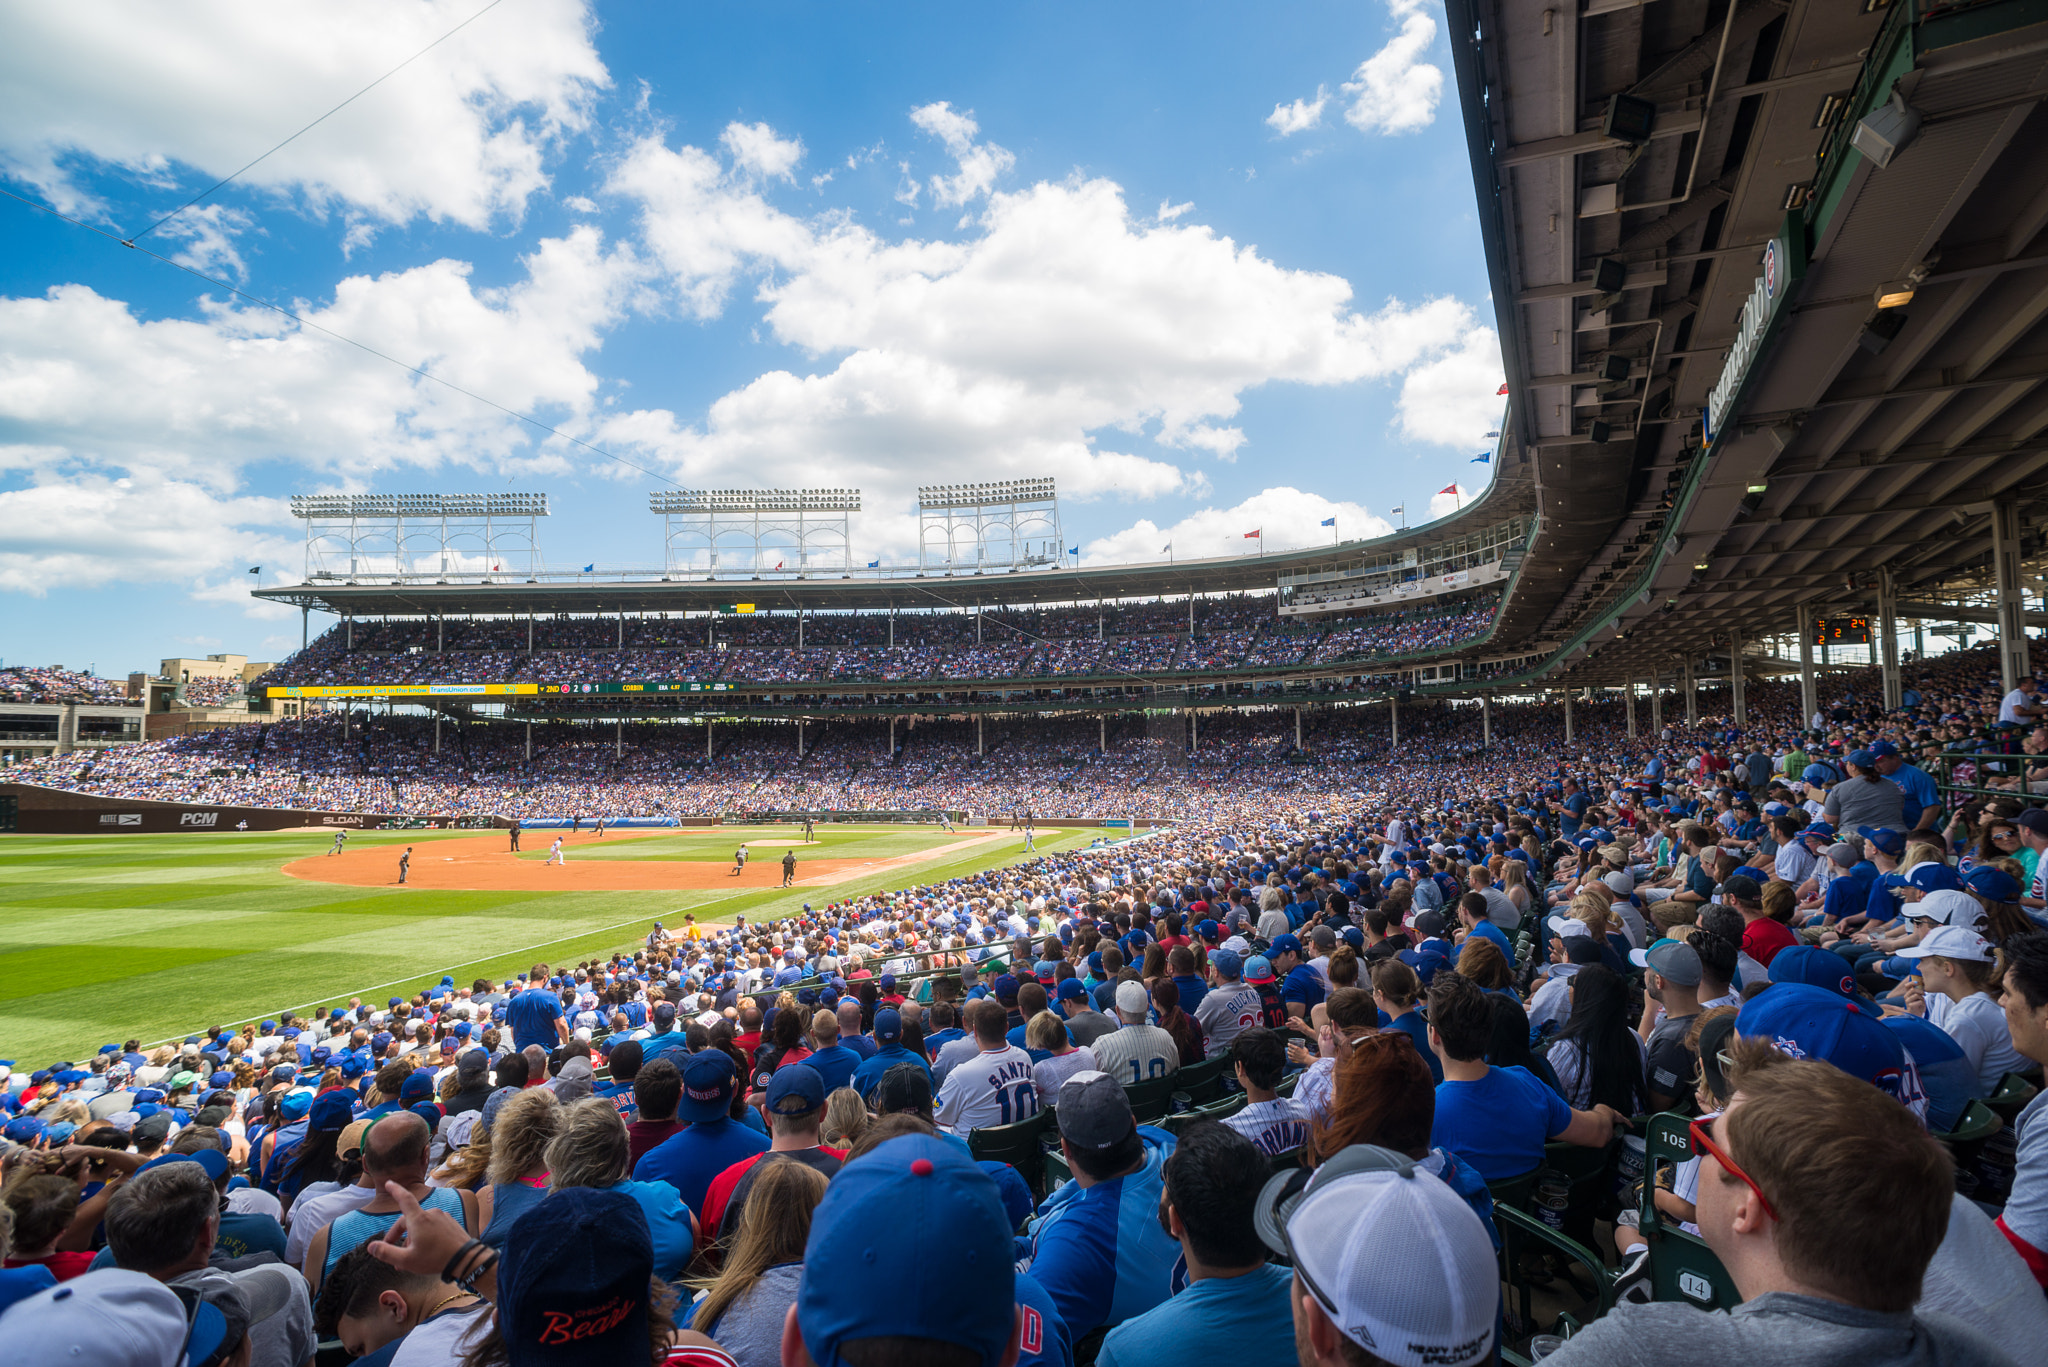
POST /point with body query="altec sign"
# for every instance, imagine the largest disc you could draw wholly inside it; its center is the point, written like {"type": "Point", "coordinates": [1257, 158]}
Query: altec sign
{"type": "Point", "coordinates": [1782, 267]}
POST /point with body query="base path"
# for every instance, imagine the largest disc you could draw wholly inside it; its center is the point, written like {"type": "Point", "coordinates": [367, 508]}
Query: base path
{"type": "Point", "coordinates": [483, 864]}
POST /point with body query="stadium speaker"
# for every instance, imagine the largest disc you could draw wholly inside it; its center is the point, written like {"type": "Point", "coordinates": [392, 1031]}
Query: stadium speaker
{"type": "Point", "coordinates": [1599, 432]}
{"type": "Point", "coordinates": [1879, 332]}
{"type": "Point", "coordinates": [1609, 274]}
{"type": "Point", "coordinates": [1882, 133]}
{"type": "Point", "coordinates": [1630, 118]}
{"type": "Point", "coordinates": [1405, 692]}
{"type": "Point", "coordinates": [1613, 368]}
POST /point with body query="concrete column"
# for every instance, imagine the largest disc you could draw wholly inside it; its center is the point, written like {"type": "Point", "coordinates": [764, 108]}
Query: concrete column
{"type": "Point", "coordinates": [892, 645]}
{"type": "Point", "coordinates": [1692, 694]}
{"type": "Point", "coordinates": [1485, 720]}
{"type": "Point", "coordinates": [529, 741]}
{"type": "Point", "coordinates": [1568, 737]}
{"type": "Point", "coordinates": [1888, 637]}
{"type": "Point", "coordinates": [1191, 614]}
{"type": "Point", "coordinates": [1394, 718]}
{"type": "Point", "coordinates": [799, 738]}
{"type": "Point", "coordinates": [1630, 693]}
{"type": "Point", "coordinates": [1297, 728]}
{"type": "Point", "coordinates": [2013, 664]}
{"type": "Point", "coordinates": [977, 625]}
{"type": "Point", "coordinates": [305, 627]}
{"type": "Point", "coordinates": [1102, 726]}
{"type": "Point", "coordinates": [1194, 733]}
{"type": "Point", "coordinates": [707, 739]}
{"type": "Point", "coordinates": [799, 646]}
{"type": "Point", "coordinates": [1737, 696]}
{"type": "Point", "coordinates": [349, 640]}
{"type": "Point", "coordinates": [1809, 692]}
{"type": "Point", "coordinates": [619, 739]}
{"type": "Point", "coordinates": [978, 719]}
{"type": "Point", "coordinates": [441, 634]}
{"type": "Point", "coordinates": [1657, 704]}
{"type": "Point", "coordinates": [437, 733]}
{"type": "Point", "coordinates": [622, 631]}
{"type": "Point", "coordinates": [892, 720]}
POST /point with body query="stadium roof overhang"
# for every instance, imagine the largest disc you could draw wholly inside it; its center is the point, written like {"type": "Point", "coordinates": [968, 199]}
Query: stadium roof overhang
{"type": "Point", "coordinates": [1746, 245]}
{"type": "Point", "coordinates": [869, 590]}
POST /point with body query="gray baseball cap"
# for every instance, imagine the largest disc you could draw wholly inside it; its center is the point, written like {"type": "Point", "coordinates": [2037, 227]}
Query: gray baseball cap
{"type": "Point", "coordinates": [1674, 960]}
{"type": "Point", "coordinates": [1093, 1112]}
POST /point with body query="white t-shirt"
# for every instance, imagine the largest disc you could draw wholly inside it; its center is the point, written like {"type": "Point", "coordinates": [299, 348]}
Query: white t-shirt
{"type": "Point", "coordinates": [1977, 1023]}
{"type": "Point", "coordinates": [2009, 706]}
{"type": "Point", "coordinates": [445, 1338]}
{"type": "Point", "coordinates": [312, 1214]}
{"type": "Point", "coordinates": [992, 1088]}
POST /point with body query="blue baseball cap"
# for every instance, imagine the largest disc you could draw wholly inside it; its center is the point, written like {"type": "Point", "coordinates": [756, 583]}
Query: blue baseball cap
{"type": "Point", "coordinates": [418, 1086]}
{"type": "Point", "coordinates": [24, 1129]}
{"type": "Point", "coordinates": [1071, 990]}
{"type": "Point", "coordinates": [1817, 967]}
{"type": "Point", "coordinates": [796, 1089]}
{"type": "Point", "coordinates": [331, 1111]}
{"type": "Point", "coordinates": [1817, 830]}
{"type": "Point", "coordinates": [1005, 988]}
{"type": "Point", "coordinates": [888, 1026]}
{"type": "Point", "coordinates": [1228, 963]}
{"type": "Point", "coordinates": [1815, 1022]}
{"type": "Point", "coordinates": [1993, 885]}
{"type": "Point", "coordinates": [1889, 842]}
{"type": "Point", "coordinates": [1933, 877]}
{"type": "Point", "coordinates": [1258, 969]}
{"type": "Point", "coordinates": [1882, 748]}
{"type": "Point", "coordinates": [1862, 759]}
{"type": "Point", "coordinates": [295, 1105]}
{"type": "Point", "coordinates": [1283, 944]}
{"type": "Point", "coordinates": [912, 1182]}
{"type": "Point", "coordinates": [573, 1280]}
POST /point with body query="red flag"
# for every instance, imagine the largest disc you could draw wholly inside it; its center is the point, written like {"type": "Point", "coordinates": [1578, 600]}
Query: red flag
{"type": "Point", "coordinates": [778, 564]}
{"type": "Point", "coordinates": [1260, 532]}
{"type": "Point", "coordinates": [1448, 489]}
{"type": "Point", "coordinates": [1503, 388]}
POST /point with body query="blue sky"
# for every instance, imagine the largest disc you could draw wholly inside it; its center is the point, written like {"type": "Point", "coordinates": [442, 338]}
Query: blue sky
{"type": "Point", "coordinates": [1210, 267]}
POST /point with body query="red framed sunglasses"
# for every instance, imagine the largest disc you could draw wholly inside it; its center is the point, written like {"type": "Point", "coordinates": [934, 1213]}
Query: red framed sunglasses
{"type": "Point", "coordinates": [1703, 1142]}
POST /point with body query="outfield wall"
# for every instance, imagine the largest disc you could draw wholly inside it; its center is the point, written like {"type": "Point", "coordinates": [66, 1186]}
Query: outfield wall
{"type": "Point", "coordinates": [60, 811]}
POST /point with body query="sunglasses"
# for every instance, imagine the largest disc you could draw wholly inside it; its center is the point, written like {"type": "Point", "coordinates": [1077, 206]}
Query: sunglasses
{"type": "Point", "coordinates": [1703, 1142]}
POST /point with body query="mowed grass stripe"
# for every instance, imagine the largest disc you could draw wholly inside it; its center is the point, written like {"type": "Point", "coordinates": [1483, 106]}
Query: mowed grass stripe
{"type": "Point", "coordinates": [93, 963]}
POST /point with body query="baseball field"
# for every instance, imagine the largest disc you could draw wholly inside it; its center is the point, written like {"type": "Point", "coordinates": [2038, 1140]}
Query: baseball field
{"type": "Point", "coordinates": [109, 938]}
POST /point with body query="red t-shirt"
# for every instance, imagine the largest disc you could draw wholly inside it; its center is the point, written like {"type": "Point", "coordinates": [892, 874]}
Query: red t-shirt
{"type": "Point", "coordinates": [748, 1042]}
{"type": "Point", "coordinates": [1764, 937]}
{"type": "Point", "coordinates": [718, 1195]}
{"type": "Point", "coordinates": [63, 1266]}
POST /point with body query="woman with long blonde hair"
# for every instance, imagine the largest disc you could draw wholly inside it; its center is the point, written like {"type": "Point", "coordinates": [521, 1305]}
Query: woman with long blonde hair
{"type": "Point", "coordinates": [747, 1303]}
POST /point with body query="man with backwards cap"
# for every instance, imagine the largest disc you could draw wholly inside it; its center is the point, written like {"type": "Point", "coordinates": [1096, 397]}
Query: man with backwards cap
{"type": "Point", "coordinates": [1390, 1265]}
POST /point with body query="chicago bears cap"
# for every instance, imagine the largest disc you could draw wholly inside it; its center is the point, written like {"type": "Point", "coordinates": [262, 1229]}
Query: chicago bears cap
{"type": "Point", "coordinates": [573, 1281]}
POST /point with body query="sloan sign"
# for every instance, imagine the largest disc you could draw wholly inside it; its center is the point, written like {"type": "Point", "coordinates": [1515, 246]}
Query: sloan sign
{"type": "Point", "coordinates": [1783, 264]}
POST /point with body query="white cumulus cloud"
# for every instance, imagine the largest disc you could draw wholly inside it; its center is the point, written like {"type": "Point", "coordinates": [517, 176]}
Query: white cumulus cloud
{"type": "Point", "coordinates": [756, 147]}
{"type": "Point", "coordinates": [1288, 517]}
{"type": "Point", "coordinates": [1454, 398]}
{"type": "Point", "coordinates": [181, 95]}
{"type": "Point", "coordinates": [980, 163]}
{"type": "Point", "coordinates": [1298, 116]}
{"type": "Point", "coordinates": [1394, 90]}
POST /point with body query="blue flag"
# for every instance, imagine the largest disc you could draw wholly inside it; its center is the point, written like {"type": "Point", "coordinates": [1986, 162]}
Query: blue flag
{"type": "Point", "coordinates": [1073, 550]}
{"type": "Point", "coordinates": [1329, 522]}
{"type": "Point", "coordinates": [588, 568]}
{"type": "Point", "coordinates": [874, 564]}
{"type": "Point", "coordinates": [1483, 458]}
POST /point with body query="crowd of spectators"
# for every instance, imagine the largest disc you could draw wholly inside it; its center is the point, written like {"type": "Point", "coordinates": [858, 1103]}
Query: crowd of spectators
{"type": "Point", "coordinates": [55, 684]}
{"type": "Point", "coordinates": [1128, 639]}
{"type": "Point", "coordinates": [1413, 982]}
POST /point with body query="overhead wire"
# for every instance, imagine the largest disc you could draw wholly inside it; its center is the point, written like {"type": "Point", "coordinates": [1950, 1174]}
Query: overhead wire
{"type": "Point", "coordinates": [232, 175]}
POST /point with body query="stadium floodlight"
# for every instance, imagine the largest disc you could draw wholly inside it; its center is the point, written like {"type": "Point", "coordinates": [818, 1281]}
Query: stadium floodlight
{"type": "Point", "coordinates": [791, 531]}
{"type": "Point", "coordinates": [669, 501]}
{"type": "Point", "coordinates": [421, 535]}
{"type": "Point", "coordinates": [990, 494]}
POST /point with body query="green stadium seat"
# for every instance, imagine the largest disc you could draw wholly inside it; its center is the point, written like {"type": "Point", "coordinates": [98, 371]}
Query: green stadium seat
{"type": "Point", "coordinates": [1527, 1242]}
{"type": "Point", "coordinates": [1514, 1191]}
{"type": "Point", "coordinates": [1215, 1110]}
{"type": "Point", "coordinates": [1201, 1082]}
{"type": "Point", "coordinates": [1682, 1267]}
{"type": "Point", "coordinates": [1021, 1145]}
{"type": "Point", "coordinates": [2012, 1096]}
{"type": "Point", "coordinates": [1152, 1098]}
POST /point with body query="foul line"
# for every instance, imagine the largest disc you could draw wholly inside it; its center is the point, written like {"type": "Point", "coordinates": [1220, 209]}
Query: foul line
{"type": "Point", "coordinates": [431, 972]}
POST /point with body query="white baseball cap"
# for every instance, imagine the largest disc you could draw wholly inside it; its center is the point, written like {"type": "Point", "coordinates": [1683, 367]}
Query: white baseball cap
{"type": "Point", "coordinates": [1951, 942]}
{"type": "Point", "coordinates": [109, 1318]}
{"type": "Point", "coordinates": [1131, 998]}
{"type": "Point", "coordinates": [1567, 926]}
{"type": "Point", "coordinates": [1950, 906]}
{"type": "Point", "coordinates": [1396, 1259]}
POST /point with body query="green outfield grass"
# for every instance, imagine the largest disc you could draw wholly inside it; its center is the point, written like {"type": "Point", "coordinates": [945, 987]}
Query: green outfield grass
{"type": "Point", "coordinates": [110, 938]}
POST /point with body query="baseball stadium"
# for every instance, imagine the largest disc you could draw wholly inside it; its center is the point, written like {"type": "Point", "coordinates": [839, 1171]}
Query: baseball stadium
{"type": "Point", "coordinates": [1614, 910]}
